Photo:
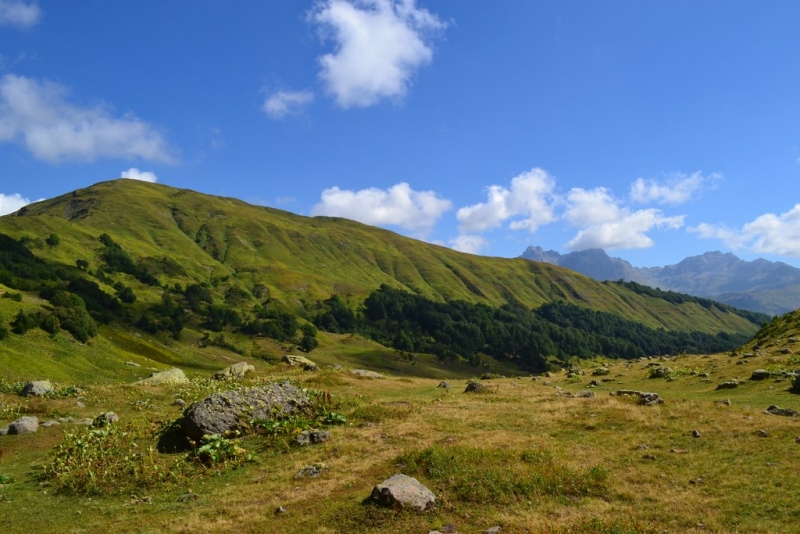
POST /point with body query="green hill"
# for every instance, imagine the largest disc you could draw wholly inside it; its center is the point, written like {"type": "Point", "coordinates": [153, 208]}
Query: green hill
{"type": "Point", "coordinates": [246, 256]}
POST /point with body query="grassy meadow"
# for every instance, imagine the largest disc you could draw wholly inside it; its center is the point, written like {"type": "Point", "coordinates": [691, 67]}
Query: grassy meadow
{"type": "Point", "coordinates": [525, 455]}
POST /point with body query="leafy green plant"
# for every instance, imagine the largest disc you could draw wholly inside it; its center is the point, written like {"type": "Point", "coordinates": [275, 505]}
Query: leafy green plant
{"type": "Point", "coordinates": [6, 479]}
{"type": "Point", "coordinates": [218, 449]}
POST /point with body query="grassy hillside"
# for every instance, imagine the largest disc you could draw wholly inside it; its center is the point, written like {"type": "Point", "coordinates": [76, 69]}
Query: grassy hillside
{"type": "Point", "coordinates": [224, 240]}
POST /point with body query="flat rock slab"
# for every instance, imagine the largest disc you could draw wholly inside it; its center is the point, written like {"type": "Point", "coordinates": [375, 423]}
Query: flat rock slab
{"type": "Point", "coordinates": [774, 410]}
{"type": "Point", "coordinates": [404, 491]}
{"type": "Point", "coordinates": [37, 388]}
{"type": "Point", "coordinates": [232, 410]}
{"type": "Point", "coordinates": [234, 372]}
{"type": "Point", "coordinates": [170, 376]}
{"type": "Point", "coordinates": [23, 425]}
{"type": "Point", "coordinates": [363, 373]}
{"type": "Point", "coordinates": [300, 361]}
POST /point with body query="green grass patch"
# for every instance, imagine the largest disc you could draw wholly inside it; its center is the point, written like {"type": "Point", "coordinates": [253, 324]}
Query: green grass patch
{"type": "Point", "coordinates": [503, 476]}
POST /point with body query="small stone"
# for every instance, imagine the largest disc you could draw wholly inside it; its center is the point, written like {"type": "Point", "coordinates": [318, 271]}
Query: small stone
{"type": "Point", "coordinates": [236, 371]}
{"type": "Point", "coordinates": [170, 376]}
{"type": "Point", "coordinates": [4, 431]}
{"type": "Point", "coordinates": [774, 410]}
{"type": "Point", "coordinates": [105, 419]}
{"type": "Point", "coordinates": [725, 402]}
{"type": "Point", "coordinates": [729, 384]}
{"type": "Point", "coordinates": [678, 451]}
{"type": "Point", "coordinates": [760, 374]}
{"type": "Point", "coordinates": [280, 510]}
{"type": "Point", "coordinates": [179, 402]}
{"type": "Point", "coordinates": [444, 384]}
{"type": "Point", "coordinates": [132, 364]}
{"type": "Point", "coordinates": [311, 471]}
{"type": "Point", "coordinates": [762, 433]}
{"type": "Point", "coordinates": [85, 421]}
{"type": "Point", "coordinates": [404, 491]}
{"type": "Point", "coordinates": [188, 497]}
{"type": "Point", "coordinates": [696, 434]}
{"type": "Point", "coordinates": [649, 457]}
{"type": "Point", "coordinates": [493, 530]}
{"type": "Point", "coordinates": [474, 387]}
{"type": "Point", "coordinates": [585, 394]}
{"type": "Point", "coordinates": [309, 437]}
{"type": "Point", "coordinates": [48, 424]}
{"type": "Point", "coordinates": [79, 404]}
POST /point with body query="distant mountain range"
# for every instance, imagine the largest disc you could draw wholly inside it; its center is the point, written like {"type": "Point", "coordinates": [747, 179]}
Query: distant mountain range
{"type": "Point", "coordinates": [760, 285]}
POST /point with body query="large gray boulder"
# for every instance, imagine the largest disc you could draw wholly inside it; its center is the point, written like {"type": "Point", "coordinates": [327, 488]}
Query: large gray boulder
{"type": "Point", "coordinates": [37, 388]}
{"type": "Point", "coordinates": [233, 410]}
{"type": "Point", "coordinates": [170, 376]}
{"type": "Point", "coordinates": [236, 371]}
{"type": "Point", "coordinates": [405, 492]}
{"type": "Point", "coordinates": [23, 425]}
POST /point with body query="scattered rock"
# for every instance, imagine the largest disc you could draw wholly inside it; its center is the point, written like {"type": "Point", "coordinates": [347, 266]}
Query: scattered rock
{"type": "Point", "coordinates": [180, 402]}
{"type": "Point", "coordinates": [170, 376]}
{"type": "Point", "coordinates": [188, 497]}
{"type": "Point", "coordinates": [24, 425]}
{"type": "Point", "coordinates": [601, 371]}
{"type": "Point", "coordinates": [300, 361]}
{"type": "Point", "coordinates": [774, 410]}
{"type": "Point", "coordinates": [105, 419]}
{"type": "Point", "coordinates": [229, 410]}
{"type": "Point", "coordinates": [79, 404]}
{"type": "Point", "coordinates": [678, 451]}
{"type": "Point", "coordinates": [444, 384]}
{"type": "Point", "coordinates": [363, 373]}
{"type": "Point", "coordinates": [85, 421]}
{"type": "Point", "coordinates": [309, 437]}
{"type": "Point", "coordinates": [493, 530]}
{"type": "Point", "coordinates": [762, 433]}
{"type": "Point", "coordinates": [760, 374]}
{"type": "Point", "coordinates": [37, 388]}
{"type": "Point", "coordinates": [661, 372]}
{"type": "Point", "coordinates": [703, 375]}
{"type": "Point", "coordinates": [48, 424]}
{"type": "Point", "coordinates": [280, 510]}
{"type": "Point", "coordinates": [474, 387]}
{"type": "Point", "coordinates": [405, 492]}
{"type": "Point", "coordinates": [698, 480]}
{"type": "Point", "coordinates": [729, 384]}
{"type": "Point", "coordinates": [311, 471]}
{"type": "Point", "coordinates": [648, 457]}
{"type": "Point", "coordinates": [786, 350]}
{"type": "Point", "coordinates": [4, 431]}
{"type": "Point", "coordinates": [585, 394]}
{"type": "Point", "coordinates": [132, 364]}
{"type": "Point", "coordinates": [645, 398]}
{"type": "Point", "coordinates": [236, 371]}
{"type": "Point", "coordinates": [725, 402]}
{"type": "Point", "coordinates": [696, 434]}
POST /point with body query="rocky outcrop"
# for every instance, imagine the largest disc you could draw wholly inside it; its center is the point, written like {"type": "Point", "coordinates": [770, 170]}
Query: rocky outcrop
{"type": "Point", "coordinates": [233, 410]}
{"type": "Point", "coordinates": [404, 492]}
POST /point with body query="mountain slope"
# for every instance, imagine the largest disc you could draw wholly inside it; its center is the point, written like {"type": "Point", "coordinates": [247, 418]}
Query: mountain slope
{"type": "Point", "coordinates": [190, 236]}
{"type": "Point", "coordinates": [763, 286]}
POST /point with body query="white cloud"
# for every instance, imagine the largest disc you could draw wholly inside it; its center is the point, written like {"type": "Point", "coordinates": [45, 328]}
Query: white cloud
{"type": "Point", "coordinates": [38, 115]}
{"type": "Point", "coordinates": [11, 203]}
{"type": "Point", "coordinates": [469, 243]}
{"type": "Point", "coordinates": [19, 13]}
{"type": "Point", "coordinates": [282, 103]}
{"type": "Point", "coordinates": [529, 197]}
{"type": "Point", "coordinates": [135, 174]}
{"type": "Point", "coordinates": [676, 189]}
{"type": "Point", "coordinates": [604, 223]}
{"type": "Point", "coordinates": [379, 45]}
{"type": "Point", "coordinates": [767, 234]}
{"type": "Point", "coordinates": [417, 211]}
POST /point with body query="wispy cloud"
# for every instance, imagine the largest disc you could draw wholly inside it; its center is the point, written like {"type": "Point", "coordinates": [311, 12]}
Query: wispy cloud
{"type": "Point", "coordinates": [135, 174]}
{"type": "Point", "coordinates": [282, 103]}
{"type": "Point", "coordinates": [604, 222]}
{"type": "Point", "coordinates": [19, 13]}
{"type": "Point", "coordinates": [379, 46]}
{"type": "Point", "coordinates": [11, 203]}
{"type": "Point", "coordinates": [674, 189]}
{"type": "Point", "coordinates": [416, 211]}
{"type": "Point", "coordinates": [38, 115]}
{"type": "Point", "coordinates": [529, 201]}
{"type": "Point", "coordinates": [766, 234]}
{"type": "Point", "coordinates": [470, 243]}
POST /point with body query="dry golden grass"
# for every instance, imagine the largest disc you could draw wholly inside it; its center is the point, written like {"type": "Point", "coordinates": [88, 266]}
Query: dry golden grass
{"type": "Point", "coordinates": [660, 478]}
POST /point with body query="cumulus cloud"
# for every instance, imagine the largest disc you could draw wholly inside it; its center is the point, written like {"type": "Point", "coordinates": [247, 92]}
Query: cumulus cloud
{"type": "Point", "coordinates": [379, 45]}
{"type": "Point", "coordinates": [529, 200]}
{"type": "Point", "coordinates": [38, 115]}
{"type": "Point", "coordinates": [677, 188]}
{"type": "Point", "coordinates": [282, 103]}
{"type": "Point", "coordinates": [19, 13]}
{"type": "Point", "coordinates": [605, 223]}
{"type": "Point", "coordinates": [470, 243]}
{"type": "Point", "coordinates": [11, 203]}
{"type": "Point", "coordinates": [135, 174]}
{"type": "Point", "coordinates": [416, 211]}
{"type": "Point", "coordinates": [767, 234]}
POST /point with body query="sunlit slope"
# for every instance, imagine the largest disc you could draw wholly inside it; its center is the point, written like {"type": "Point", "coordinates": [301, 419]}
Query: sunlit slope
{"type": "Point", "coordinates": [191, 236]}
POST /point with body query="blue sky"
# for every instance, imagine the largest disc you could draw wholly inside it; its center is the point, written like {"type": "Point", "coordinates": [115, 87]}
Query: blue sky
{"type": "Point", "coordinates": [654, 129]}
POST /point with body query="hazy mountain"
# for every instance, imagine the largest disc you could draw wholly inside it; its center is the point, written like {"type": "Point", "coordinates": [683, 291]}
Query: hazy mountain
{"type": "Point", "coordinates": [760, 285]}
